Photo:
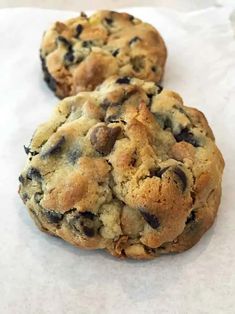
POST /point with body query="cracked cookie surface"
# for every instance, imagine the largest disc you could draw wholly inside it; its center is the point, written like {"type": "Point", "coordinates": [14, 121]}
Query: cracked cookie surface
{"type": "Point", "coordinates": [127, 168]}
{"type": "Point", "coordinates": [80, 53]}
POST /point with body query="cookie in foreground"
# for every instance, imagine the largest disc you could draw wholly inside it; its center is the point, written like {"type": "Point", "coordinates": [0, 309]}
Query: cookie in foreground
{"type": "Point", "coordinates": [80, 53]}
{"type": "Point", "coordinates": [127, 168]}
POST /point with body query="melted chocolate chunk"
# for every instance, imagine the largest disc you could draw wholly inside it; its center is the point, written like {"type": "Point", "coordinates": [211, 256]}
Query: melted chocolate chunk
{"type": "Point", "coordinates": [25, 197]}
{"type": "Point", "coordinates": [133, 161]}
{"type": "Point", "coordinates": [34, 174]}
{"type": "Point", "coordinates": [64, 41]}
{"type": "Point", "coordinates": [55, 149]}
{"type": "Point", "coordinates": [48, 78]}
{"type": "Point", "coordinates": [104, 138]}
{"type": "Point", "coordinates": [182, 177]}
{"type": "Point", "coordinates": [87, 44]}
{"type": "Point", "coordinates": [123, 80]}
{"type": "Point", "coordinates": [89, 232]}
{"type": "Point", "coordinates": [151, 219]}
{"type": "Point", "coordinates": [167, 123]}
{"type": "Point", "coordinates": [108, 20]}
{"type": "Point", "coordinates": [158, 172]}
{"type": "Point", "coordinates": [27, 151]}
{"type": "Point", "coordinates": [74, 155]}
{"type": "Point", "coordinates": [88, 215]}
{"type": "Point", "coordinates": [150, 97]}
{"type": "Point", "coordinates": [113, 118]}
{"type": "Point", "coordinates": [134, 40]}
{"type": "Point", "coordinates": [86, 223]}
{"type": "Point", "coordinates": [115, 52]}
{"type": "Point", "coordinates": [83, 14]}
{"type": "Point", "coordinates": [21, 179]}
{"type": "Point", "coordinates": [138, 63]}
{"type": "Point", "coordinates": [164, 121]}
{"type": "Point", "coordinates": [69, 56]}
{"type": "Point", "coordinates": [149, 250]}
{"type": "Point", "coordinates": [186, 136]}
{"type": "Point", "coordinates": [191, 218]}
{"type": "Point", "coordinates": [114, 115]}
{"type": "Point", "coordinates": [160, 88]}
{"type": "Point", "coordinates": [79, 30]}
{"type": "Point", "coordinates": [38, 196]}
{"type": "Point", "coordinates": [53, 217]}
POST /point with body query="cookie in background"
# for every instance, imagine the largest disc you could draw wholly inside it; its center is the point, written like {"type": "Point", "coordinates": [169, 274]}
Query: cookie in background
{"type": "Point", "coordinates": [80, 53]}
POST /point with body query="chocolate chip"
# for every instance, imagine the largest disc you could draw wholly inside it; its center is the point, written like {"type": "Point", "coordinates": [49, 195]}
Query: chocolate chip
{"type": "Point", "coordinates": [191, 218]}
{"type": "Point", "coordinates": [27, 151]}
{"type": "Point", "coordinates": [153, 68]}
{"type": "Point", "coordinates": [89, 232]}
{"type": "Point", "coordinates": [63, 40]}
{"type": "Point", "coordinates": [88, 215]}
{"type": "Point", "coordinates": [160, 88]}
{"type": "Point", "coordinates": [113, 114]}
{"type": "Point", "coordinates": [131, 17]}
{"type": "Point", "coordinates": [49, 79]}
{"type": "Point", "coordinates": [115, 52]}
{"type": "Point", "coordinates": [113, 118]}
{"type": "Point", "coordinates": [38, 197]}
{"type": "Point", "coordinates": [186, 136]}
{"type": "Point", "coordinates": [53, 217]}
{"type": "Point", "coordinates": [164, 121]}
{"type": "Point", "coordinates": [69, 56]}
{"type": "Point", "coordinates": [149, 250]}
{"type": "Point", "coordinates": [34, 174]}
{"type": "Point", "coordinates": [167, 123]}
{"type": "Point", "coordinates": [87, 43]}
{"type": "Point", "coordinates": [158, 172]}
{"type": "Point", "coordinates": [108, 20]}
{"type": "Point", "coordinates": [123, 80]}
{"type": "Point", "coordinates": [25, 197]}
{"type": "Point", "coordinates": [83, 14]}
{"type": "Point", "coordinates": [104, 138]}
{"type": "Point", "coordinates": [134, 40]}
{"type": "Point", "coordinates": [74, 155]}
{"type": "Point", "coordinates": [79, 30]}
{"type": "Point", "coordinates": [180, 109]}
{"type": "Point", "coordinates": [134, 158]}
{"type": "Point", "coordinates": [150, 97]}
{"type": "Point", "coordinates": [86, 223]}
{"type": "Point", "coordinates": [150, 219]}
{"type": "Point", "coordinates": [21, 179]}
{"type": "Point", "coordinates": [181, 175]}
{"type": "Point", "coordinates": [138, 63]}
{"type": "Point", "coordinates": [55, 149]}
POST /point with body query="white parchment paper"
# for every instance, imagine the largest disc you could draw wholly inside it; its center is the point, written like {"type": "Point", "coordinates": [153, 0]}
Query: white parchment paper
{"type": "Point", "coordinates": [42, 274]}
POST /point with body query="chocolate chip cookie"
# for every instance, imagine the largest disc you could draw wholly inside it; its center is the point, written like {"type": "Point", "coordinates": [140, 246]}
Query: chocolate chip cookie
{"type": "Point", "coordinates": [79, 54]}
{"type": "Point", "coordinates": [127, 168]}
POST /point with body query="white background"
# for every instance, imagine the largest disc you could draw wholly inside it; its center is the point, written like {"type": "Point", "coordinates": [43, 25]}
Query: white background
{"type": "Point", "coordinates": [43, 275]}
{"type": "Point", "coordinates": [183, 5]}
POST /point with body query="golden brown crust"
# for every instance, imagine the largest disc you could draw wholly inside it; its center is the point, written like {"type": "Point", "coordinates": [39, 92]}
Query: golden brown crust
{"type": "Point", "coordinates": [82, 52]}
{"type": "Point", "coordinates": [127, 168]}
